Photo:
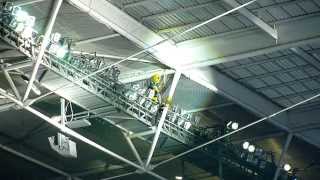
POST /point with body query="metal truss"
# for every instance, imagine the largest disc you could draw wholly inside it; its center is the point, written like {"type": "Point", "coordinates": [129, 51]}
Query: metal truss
{"type": "Point", "coordinates": [112, 91]}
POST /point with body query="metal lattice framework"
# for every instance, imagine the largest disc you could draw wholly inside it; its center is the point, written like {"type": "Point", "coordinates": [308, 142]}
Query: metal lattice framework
{"type": "Point", "coordinates": [112, 92]}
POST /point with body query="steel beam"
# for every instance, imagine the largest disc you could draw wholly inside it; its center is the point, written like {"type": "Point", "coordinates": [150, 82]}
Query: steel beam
{"type": "Point", "coordinates": [210, 51]}
{"type": "Point", "coordinates": [133, 148]}
{"type": "Point", "coordinates": [257, 21]}
{"type": "Point", "coordinates": [46, 38]}
{"type": "Point", "coordinates": [109, 56]}
{"type": "Point", "coordinates": [143, 75]}
{"type": "Point", "coordinates": [12, 85]}
{"type": "Point", "coordinates": [27, 2]}
{"type": "Point", "coordinates": [163, 117]}
{"type": "Point", "coordinates": [144, 133]}
{"type": "Point", "coordinates": [95, 39]}
{"type": "Point", "coordinates": [282, 156]}
{"type": "Point", "coordinates": [18, 66]}
{"type": "Point", "coordinates": [208, 108]}
{"type": "Point", "coordinates": [294, 32]}
{"type": "Point", "coordinates": [273, 115]}
{"type": "Point", "coordinates": [306, 56]}
{"type": "Point", "coordinates": [78, 136]}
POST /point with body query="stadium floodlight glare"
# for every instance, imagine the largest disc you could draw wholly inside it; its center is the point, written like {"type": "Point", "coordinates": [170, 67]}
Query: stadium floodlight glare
{"type": "Point", "coordinates": [30, 21]}
{"type": "Point", "coordinates": [233, 125]}
{"type": "Point", "coordinates": [19, 28]}
{"type": "Point", "coordinates": [287, 167]}
{"type": "Point", "coordinates": [187, 125]}
{"type": "Point", "coordinates": [21, 16]}
{"type": "Point", "coordinates": [61, 52]}
{"type": "Point", "coordinates": [27, 32]}
{"type": "Point", "coordinates": [16, 10]}
{"type": "Point", "coordinates": [251, 148]}
{"type": "Point", "coordinates": [245, 145]}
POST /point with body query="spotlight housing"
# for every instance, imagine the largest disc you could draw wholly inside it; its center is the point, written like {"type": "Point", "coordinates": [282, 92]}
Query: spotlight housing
{"type": "Point", "coordinates": [251, 148]}
{"type": "Point", "coordinates": [187, 125]}
{"type": "Point", "coordinates": [245, 145]}
{"type": "Point", "coordinates": [61, 52]}
{"type": "Point", "coordinates": [287, 167]}
{"type": "Point", "coordinates": [233, 125]}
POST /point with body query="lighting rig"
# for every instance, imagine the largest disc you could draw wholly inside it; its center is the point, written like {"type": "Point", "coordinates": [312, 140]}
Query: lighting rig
{"type": "Point", "coordinates": [134, 100]}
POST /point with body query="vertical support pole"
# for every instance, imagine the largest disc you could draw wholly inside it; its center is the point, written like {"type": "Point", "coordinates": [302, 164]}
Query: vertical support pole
{"type": "Point", "coordinates": [12, 85]}
{"type": "Point", "coordinates": [163, 117]}
{"type": "Point", "coordinates": [133, 148]}
{"type": "Point", "coordinates": [63, 111]}
{"type": "Point", "coordinates": [220, 166]}
{"type": "Point", "coordinates": [46, 38]}
{"type": "Point", "coordinates": [284, 150]}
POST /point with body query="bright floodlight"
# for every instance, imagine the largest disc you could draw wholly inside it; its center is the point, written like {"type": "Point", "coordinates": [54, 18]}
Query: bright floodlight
{"type": "Point", "coordinates": [245, 145]}
{"type": "Point", "coordinates": [187, 125]}
{"type": "Point", "coordinates": [21, 15]}
{"type": "Point", "coordinates": [61, 52]}
{"type": "Point", "coordinates": [233, 125]}
{"type": "Point", "coordinates": [179, 178]}
{"type": "Point", "coordinates": [27, 32]}
{"type": "Point", "coordinates": [287, 167]}
{"type": "Point", "coordinates": [251, 148]}
{"type": "Point", "coordinates": [19, 27]}
{"type": "Point", "coordinates": [30, 21]}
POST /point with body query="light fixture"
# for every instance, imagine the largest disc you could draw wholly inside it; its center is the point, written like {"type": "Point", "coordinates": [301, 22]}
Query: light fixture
{"type": "Point", "coordinates": [30, 21]}
{"type": "Point", "coordinates": [55, 37]}
{"type": "Point", "coordinates": [187, 125]}
{"type": "Point", "coordinates": [251, 148]}
{"type": "Point", "coordinates": [27, 32]}
{"type": "Point", "coordinates": [233, 125]}
{"type": "Point", "coordinates": [245, 145]}
{"type": "Point", "coordinates": [287, 167]}
{"type": "Point", "coordinates": [19, 27]}
{"type": "Point", "coordinates": [179, 177]}
{"type": "Point", "coordinates": [21, 15]}
{"type": "Point", "coordinates": [61, 52]}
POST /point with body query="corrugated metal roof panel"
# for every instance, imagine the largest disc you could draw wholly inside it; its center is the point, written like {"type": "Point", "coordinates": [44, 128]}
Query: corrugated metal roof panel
{"type": "Point", "coordinates": [285, 77]}
{"type": "Point", "coordinates": [256, 70]}
{"type": "Point", "coordinates": [232, 23]}
{"type": "Point", "coordinates": [309, 6]}
{"type": "Point", "coordinates": [256, 83]}
{"type": "Point", "coordinates": [278, 13]}
{"type": "Point", "coordinates": [241, 73]}
{"type": "Point", "coordinates": [298, 74]}
{"type": "Point", "coordinates": [312, 84]}
{"type": "Point", "coordinates": [284, 102]}
{"type": "Point", "coordinates": [298, 87]}
{"type": "Point", "coordinates": [270, 93]}
{"type": "Point", "coordinates": [285, 63]}
{"type": "Point", "coordinates": [284, 90]}
{"type": "Point", "coordinates": [270, 66]}
{"type": "Point", "coordinates": [270, 80]}
{"type": "Point", "coordinates": [294, 10]}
